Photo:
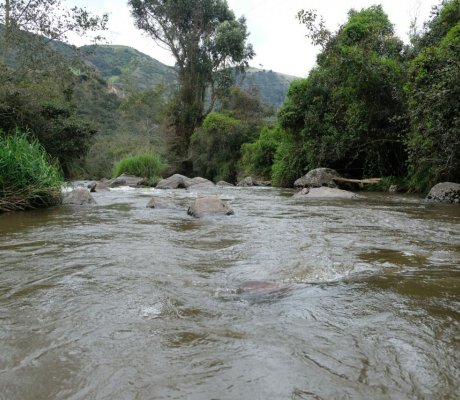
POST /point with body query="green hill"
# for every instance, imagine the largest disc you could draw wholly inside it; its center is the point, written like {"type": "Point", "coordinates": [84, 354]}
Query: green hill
{"type": "Point", "coordinates": [270, 86]}
{"type": "Point", "coordinates": [121, 65]}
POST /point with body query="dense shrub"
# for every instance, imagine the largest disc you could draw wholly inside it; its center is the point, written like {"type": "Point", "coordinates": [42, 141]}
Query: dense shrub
{"type": "Point", "coordinates": [27, 177]}
{"type": "Point", "coordinates": [257, 158]}
{"type": "Point", "coordinates": [147, 166]}
{"type": "Point", "coordinates": [433, 91]}
{"type": "Point", "coordinates": [215, 147]}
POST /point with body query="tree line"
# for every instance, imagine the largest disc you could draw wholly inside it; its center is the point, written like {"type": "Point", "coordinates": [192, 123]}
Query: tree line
{"type": "Point", "coordinates": [372, 106]}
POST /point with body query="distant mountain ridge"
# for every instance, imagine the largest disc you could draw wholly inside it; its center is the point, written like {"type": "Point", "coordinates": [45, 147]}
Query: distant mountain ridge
{"type": "Point", "coordinates": [123, 65]}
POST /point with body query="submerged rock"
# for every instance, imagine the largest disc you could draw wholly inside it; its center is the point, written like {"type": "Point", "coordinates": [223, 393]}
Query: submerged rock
{"type": "Point", "coordinates": [317, 178]}
{"type": "Point", "coordinates": [325, 192]}
{"type": "Point", "coordinates": [445, 192]}
{"type": "Point", "coordinates": [209, 206]}
{"type": "Point", "coordinates": [78, 197]}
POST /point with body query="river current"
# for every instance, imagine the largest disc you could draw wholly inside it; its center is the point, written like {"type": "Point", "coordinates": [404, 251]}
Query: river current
{"type": "Point", "coordinates": [286, 299]}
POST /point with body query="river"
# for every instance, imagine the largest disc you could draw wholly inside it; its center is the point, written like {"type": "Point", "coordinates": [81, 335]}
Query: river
{"type": "Point", "coordinates": [286, 299]}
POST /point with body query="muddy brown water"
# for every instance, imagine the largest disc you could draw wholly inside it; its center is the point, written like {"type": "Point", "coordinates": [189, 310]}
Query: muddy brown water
{"type": "Point", "coordinates": [287, 299]}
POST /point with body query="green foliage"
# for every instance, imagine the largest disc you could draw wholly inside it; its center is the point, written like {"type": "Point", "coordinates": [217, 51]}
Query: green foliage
{"type": "Point", "coordinates": [215, 147]}
{"type": "Point", "coordinates": [146, 165]}
{"type": "Point", "coordinates": [433, 92]}
{"type": "Point", "coordinates": [289, 161]}
{"type": "Point", "coordinates": [349, 114]}
{"type": "Point", "coordinates": [27, 177]}
{"type": "Point", "coordinates": [44, 110]}
{"type": "Point", "coordinates": [258, 157]}
{"type": "Point", "coordinates": [38, 75]}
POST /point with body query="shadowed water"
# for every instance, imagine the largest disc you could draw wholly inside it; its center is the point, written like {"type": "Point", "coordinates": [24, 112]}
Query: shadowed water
{"type": "Point", "coordinates": [287, 299]}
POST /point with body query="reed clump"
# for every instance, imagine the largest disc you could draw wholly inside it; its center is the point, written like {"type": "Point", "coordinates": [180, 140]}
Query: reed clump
{"type": "Point", "coordinates": [147, 165]}
{"type": "Point", "coordinates": [28, 178]}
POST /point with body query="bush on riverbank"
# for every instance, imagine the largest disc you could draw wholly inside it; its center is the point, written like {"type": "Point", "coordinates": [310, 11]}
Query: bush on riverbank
{"type": "Point", "coordinates": [28, 179]}
{"type": "Point", "coordinates": [147, 166]}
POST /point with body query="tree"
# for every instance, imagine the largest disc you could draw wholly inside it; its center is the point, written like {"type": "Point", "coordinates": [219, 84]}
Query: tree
{"type": "Point", "coordinates": [207, 41]}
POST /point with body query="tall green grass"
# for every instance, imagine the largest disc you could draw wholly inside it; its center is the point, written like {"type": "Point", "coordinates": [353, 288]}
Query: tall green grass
{"type": "Point", "coordinates": [27, 177]}
{"type": "Point", "coordinates": [147, 166]}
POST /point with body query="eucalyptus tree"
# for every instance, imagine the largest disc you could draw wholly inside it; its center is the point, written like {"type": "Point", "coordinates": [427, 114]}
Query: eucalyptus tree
{"type": "Point", "coordinates": [207, 42]}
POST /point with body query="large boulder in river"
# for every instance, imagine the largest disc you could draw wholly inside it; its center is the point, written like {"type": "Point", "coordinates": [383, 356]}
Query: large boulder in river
{"type": "Point", "coordinates": [445, 192]}
{"type": "Point", "coordinates": [176, 181]}
{"type": "Point", "coordinates": [318, 177]}
{"type": "Point", "coordinates": [127, 180]}
{"type": "Point", "coordinates": [325, 193]}
{"type": "Point", "coordinates": [209, 206]}
{"type": "Point", "coordinates": [78, 197]}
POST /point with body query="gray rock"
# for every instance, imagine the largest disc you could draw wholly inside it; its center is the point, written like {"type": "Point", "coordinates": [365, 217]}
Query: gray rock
{"type": "Point", "coordinates": [127, 180]}
{"type": "Point", "coordinates": [175, 181]}
{"type": "Point", "coordinates": [250, 181]}
{"type": "Point", "coordinates": [224, 184]}
{"type": "Point", "coordinates": [209, 206]}
{"type": "Point", "coordinates": [393, 189]}
{"type": "Point", "coordinates": [200, 181]}
{"type": "Point", "coordinates": [445, 192]}
{"type": "Point", "coordinates": [318, 177]}
{"type": "Point", "coordinates": [79, 197]}
{"type": "Point", "coordinates": [98, 187]}
{"type": "Point", "coordinates": [160, 203]}
{"type": "Point", "coordinates": [325, 192]}
{"type": "Point", "coordinates": [246, 182]}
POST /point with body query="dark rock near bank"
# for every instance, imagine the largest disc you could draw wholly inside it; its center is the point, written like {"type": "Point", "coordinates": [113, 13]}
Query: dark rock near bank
{"type": "Point", "coordinates": [78, 197]}
{"type": "Point", "coordinates": [101, 186]}
{"type": "Point", "coordinates": [317, 178]}
{"type": "Point", "coordinates": [325, 193]}
{"type": "Point", "coordinates": [445, 192]}
{"type": "Point", "coordinates": [209, 206]}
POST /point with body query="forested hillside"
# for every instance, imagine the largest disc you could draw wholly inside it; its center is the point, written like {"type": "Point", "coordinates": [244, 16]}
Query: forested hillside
{"type": "Point", "coordinates": [122, 66]}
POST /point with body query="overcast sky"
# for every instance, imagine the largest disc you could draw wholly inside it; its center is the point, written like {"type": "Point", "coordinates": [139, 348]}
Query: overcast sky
{"type": "Point", "coordinates": [278, 39]}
